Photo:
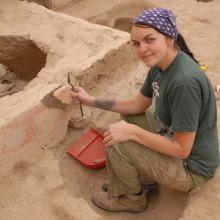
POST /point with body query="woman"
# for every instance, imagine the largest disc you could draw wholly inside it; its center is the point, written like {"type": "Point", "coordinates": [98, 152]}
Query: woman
{"type": "Point", "coordinates": [177, 146]}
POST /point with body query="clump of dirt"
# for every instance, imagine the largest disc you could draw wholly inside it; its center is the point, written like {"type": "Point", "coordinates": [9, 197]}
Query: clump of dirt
{"type": "Point", "coordinates": [9, 83]}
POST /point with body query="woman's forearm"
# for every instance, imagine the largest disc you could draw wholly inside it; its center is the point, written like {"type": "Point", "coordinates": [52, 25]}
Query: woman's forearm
{"type": "Point", "coordinates": [158, 143]}
{"type": "Point", "coordinates": [124, 106]}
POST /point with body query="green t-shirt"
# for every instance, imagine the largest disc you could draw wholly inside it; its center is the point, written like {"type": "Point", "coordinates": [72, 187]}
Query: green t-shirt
{"type": "Point", "coordinates": [184, 101]}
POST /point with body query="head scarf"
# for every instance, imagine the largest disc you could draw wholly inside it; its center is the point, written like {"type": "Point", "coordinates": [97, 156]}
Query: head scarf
{"type": "Point", "coordinates": [163, 20]}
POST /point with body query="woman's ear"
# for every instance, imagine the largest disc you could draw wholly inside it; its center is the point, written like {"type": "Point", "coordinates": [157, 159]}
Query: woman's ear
{"type": "Point", "coordinates": [170, 41]}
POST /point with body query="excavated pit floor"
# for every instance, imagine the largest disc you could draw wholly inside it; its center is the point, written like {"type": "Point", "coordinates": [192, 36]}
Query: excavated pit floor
{"type": "Point", "coordinates": [49, 184]}
{"type": "Point", "coordinates": [60, 187]}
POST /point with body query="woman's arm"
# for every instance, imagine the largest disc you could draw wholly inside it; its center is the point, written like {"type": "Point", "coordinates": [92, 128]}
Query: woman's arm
{"type": "Point", "coordinates": [179, 147]}
{"type": "Point", "coordinates": [135, 105]}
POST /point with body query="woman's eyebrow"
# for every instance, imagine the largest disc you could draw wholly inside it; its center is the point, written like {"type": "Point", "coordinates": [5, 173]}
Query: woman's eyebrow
{"type": "Point", "coordinates": [144, 38]}
{"type": "Point", "coordinates": [134, 41]}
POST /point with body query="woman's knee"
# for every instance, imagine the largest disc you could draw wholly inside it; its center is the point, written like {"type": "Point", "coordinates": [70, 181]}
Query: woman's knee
{"type": "Point", "coordinates": [119, 150]}
{"type": "Point", "coordinates": [130, 118]}
{"type": "Point", "coordinates": [132, 149]}
{"type": "Point", "coordinates": [139, 120]}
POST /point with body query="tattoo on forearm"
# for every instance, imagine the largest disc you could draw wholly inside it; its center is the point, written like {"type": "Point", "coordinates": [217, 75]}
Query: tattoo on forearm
{"type": "Point", "coordinates": [106, 104]}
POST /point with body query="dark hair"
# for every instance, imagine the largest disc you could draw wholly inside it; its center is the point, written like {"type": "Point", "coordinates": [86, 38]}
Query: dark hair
{"type": "Point", "coordinates": [181, 44]}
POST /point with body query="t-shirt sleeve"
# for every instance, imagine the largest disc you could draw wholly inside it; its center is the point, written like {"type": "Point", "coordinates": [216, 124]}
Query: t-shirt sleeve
{"type": "Point", "coordinates": [185, 105]}
{"type": "Point", "coordinates": [146, 89]}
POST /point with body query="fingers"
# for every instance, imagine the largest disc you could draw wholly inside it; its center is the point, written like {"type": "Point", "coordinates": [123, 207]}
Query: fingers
{"type": "Point", "coordinates": [74, 94]}
{"type": "Point", "coordinates": [78, 89]}
{"type": "Point", "coordinates": [109, 139]}
{"type": "Point", "coordinates": [117, 133]}
{"type": "Point", "coordinates": [110, 143]}
{"type": "Point", "coordinates": [107, 133]}
{"type": "Point", "coordinates": [67, 95]}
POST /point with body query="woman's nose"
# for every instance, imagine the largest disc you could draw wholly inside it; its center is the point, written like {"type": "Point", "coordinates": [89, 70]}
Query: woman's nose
{"type": "Point", "coordinates": [143, 48]}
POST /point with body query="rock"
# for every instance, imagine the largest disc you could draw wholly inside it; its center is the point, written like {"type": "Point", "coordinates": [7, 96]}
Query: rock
{"type": "Point", "coordinates": [3, 71]}
{"type": "Point", "coordinates": [7, 82]}
{"type": "Point", "coordinates": [5, 87]}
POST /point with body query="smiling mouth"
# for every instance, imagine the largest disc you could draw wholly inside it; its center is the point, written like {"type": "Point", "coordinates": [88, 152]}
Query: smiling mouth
{"type": "Point", "coordinates": [146, 57]}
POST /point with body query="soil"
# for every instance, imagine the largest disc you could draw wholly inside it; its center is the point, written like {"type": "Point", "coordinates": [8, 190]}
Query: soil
{"type": "Point", "coordinates": [49, 184]}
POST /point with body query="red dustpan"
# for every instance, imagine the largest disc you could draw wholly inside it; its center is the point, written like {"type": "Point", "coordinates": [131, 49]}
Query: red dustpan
{"type": "Point", "coordinates": [89, 149]}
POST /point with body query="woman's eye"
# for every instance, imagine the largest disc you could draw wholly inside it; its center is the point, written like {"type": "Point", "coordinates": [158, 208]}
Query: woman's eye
{"type": "Point", "coordinates": [135, 44]}
{"type": "Point", "coordinates": [149, 40]}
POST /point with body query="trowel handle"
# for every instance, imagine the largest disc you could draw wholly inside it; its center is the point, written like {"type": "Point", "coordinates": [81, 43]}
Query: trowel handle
{"type": "Point", "coordinates": [73, 88]}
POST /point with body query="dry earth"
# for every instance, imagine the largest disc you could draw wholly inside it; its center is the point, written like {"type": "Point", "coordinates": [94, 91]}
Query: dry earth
{"type": "Point", "coordinates": [49, 184]}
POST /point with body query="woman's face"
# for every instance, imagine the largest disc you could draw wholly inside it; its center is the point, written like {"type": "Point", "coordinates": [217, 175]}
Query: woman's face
{"type": "Point", "coordinates": [150, 45]}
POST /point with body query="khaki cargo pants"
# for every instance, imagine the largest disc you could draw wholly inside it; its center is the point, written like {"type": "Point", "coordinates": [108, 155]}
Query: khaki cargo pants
{"type": "Point", "coordinates": [130, 164]}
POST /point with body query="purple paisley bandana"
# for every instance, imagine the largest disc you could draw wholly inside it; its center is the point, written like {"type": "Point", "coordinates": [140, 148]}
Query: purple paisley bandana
{"type": "Point", "coordinates": [161, 19]}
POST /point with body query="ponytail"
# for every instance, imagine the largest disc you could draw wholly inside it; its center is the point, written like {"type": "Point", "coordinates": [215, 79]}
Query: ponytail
{"type": "Point", "coordinates": [181, 44]}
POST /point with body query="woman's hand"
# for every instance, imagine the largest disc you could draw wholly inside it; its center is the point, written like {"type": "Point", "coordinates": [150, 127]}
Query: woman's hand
{"type": "Point", "coordinates": [66, 95]}
{"type": "Point", "coordinates": [118, 132]}
{"type": "Point", "coordinates": [81, 95]}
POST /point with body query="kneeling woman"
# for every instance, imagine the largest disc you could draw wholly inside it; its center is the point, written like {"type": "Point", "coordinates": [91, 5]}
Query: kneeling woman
{"type": "Point", "coordinates": [176, 145]}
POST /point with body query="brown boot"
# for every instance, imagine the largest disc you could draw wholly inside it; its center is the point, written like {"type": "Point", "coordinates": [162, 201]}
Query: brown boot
{"type": "Point", "coordinates": [150, 188]}
{"type": "Point", "coordinates": [124, 203]}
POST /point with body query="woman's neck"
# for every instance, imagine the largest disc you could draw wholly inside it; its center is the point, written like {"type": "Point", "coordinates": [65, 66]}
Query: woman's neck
{"type": "Point", "coordinates": [171, 54]}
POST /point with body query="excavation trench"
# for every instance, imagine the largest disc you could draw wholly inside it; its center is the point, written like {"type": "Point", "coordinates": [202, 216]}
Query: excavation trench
{"type": "Point", "coordinates": [50, 160]}
{"type": "Point", "coordinates": [121, 82]}
{"type": "Point", "coordinates": [20, 61]}
{"type": "Point", "coordinates": [46, 177]}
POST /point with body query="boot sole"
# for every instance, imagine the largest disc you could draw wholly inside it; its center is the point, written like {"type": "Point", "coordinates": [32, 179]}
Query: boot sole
{"type": "Point", "coordinates": [108, 210]}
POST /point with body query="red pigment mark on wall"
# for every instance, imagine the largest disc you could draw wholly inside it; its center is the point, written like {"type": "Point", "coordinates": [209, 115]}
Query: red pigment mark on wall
{"type": "Point", "coordinates": [29, 127]}
{"type": "Point", "coordinates": [31, 130]}
{"type": "Point", "coordinates": [6, 150]}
